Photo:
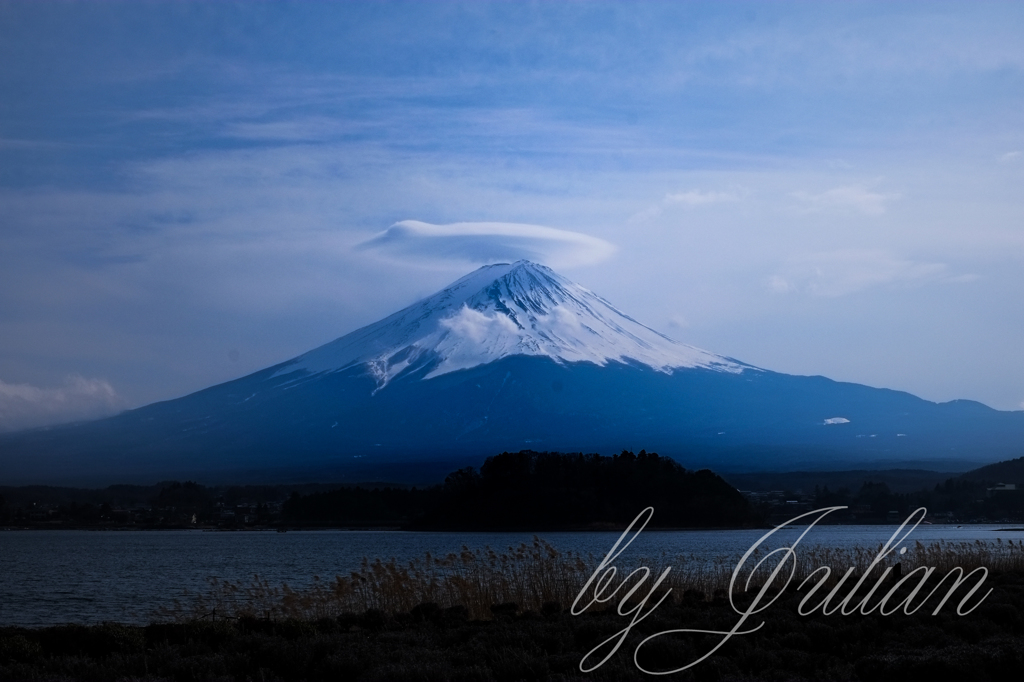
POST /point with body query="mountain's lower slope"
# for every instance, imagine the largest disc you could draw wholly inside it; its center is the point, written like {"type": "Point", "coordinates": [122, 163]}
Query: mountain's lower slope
{"type": "Point", "coordinates": [512, 356]}
{"type": "Point", "coordinates": [339, 424]}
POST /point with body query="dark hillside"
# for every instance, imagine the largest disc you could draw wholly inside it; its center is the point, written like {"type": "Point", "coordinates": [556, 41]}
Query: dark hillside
{"type": "Point", "coordinates": [1010, 471]}
{"type": "Point", "coordinates": [539, 491]}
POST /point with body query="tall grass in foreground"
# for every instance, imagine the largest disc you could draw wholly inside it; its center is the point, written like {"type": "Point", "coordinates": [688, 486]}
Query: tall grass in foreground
{"type": "Point", "coordinates": [534, 575]}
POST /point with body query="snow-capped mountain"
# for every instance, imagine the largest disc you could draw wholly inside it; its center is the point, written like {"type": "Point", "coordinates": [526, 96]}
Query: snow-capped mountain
{"type": "Point", "coordinates": [498, 311]}
{"type": "Point", "coordinates": [510, 357]}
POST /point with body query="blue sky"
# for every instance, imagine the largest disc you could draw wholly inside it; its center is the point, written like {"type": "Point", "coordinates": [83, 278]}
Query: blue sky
{"type": "Point", "coordinates": [187, 190]}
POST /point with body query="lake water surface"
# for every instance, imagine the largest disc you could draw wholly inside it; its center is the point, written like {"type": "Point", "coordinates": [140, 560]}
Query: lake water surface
{"type": "Point", "coordinates": [66, 576]}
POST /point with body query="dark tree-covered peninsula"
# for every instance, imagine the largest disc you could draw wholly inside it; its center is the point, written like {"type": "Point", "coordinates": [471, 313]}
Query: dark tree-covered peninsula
{"type": "Point", "coordinates": [538, 491]}
{"type": "Point", "coordinates": [541, 491]}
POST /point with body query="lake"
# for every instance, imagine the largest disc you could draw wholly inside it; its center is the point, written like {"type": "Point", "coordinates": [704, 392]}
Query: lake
{"type": "Point", "coordinates": [67, 576]}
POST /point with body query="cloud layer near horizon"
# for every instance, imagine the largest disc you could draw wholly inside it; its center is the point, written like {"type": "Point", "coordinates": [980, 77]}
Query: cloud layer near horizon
{"type": "Point", "coordinates": [23, 406]}
{"type": "Point", "coordinates": [483, 243]}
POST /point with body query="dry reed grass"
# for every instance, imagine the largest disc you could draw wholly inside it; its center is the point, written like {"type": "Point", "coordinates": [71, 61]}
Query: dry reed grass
{"type": "Point", "coordinates": [537, 574]}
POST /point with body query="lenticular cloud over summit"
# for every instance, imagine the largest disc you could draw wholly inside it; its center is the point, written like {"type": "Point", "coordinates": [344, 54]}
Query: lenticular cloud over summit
{"type": "Point", "coordinates": [482, 243]}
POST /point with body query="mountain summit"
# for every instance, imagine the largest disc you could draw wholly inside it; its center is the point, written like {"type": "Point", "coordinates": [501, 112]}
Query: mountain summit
{"type": "Point", "coordinates": [496, 312]}
{"type": "Point", "coordinates": [510, 357]}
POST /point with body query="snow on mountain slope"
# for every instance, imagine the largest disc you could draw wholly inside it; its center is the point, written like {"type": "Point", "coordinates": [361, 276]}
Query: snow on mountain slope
{"type": "Point", "coordinates": [498, 311]}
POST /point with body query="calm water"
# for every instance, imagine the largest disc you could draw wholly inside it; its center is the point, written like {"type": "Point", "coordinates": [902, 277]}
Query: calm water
{"type": "Point", "coordinates": [49, 577]}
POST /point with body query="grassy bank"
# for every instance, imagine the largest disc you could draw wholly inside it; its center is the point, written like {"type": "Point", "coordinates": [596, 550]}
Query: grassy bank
{"type": "Point", "coordinates": [503, 616]}
{"type": "Point", "coordinates": [432, 643]}
{"type": "Point", "coordinates": [534, 575]}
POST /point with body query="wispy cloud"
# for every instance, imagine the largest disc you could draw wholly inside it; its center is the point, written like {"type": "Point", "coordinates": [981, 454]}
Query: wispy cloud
{"type": "Point", "coordinates": [1010, 157]}
{"type": "Point", "coordinates": [696, 197]}
{"type": "Point", "coordinates": [24, 406]}
{"type": "Point", "coordinates": [964, 279]}
{"type": "Point", "coordinates": [479, 243]}
{"type": "Point", "coordinates": [856, 197]}
{"type": "Point", "coordinates": [689, 198]}
{"type": "Point", "coordinates": [312, 129]}
{"type": "Point", "coordinates": [838, 273]}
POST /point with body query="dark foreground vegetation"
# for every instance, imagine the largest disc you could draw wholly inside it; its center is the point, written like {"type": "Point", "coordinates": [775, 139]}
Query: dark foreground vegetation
{"type": "Point", "coordinates": [429, 642]}
{"type": "Point", "coordinates": [484, 615]}
{"type": "Point", "coordinates": [487, 616]}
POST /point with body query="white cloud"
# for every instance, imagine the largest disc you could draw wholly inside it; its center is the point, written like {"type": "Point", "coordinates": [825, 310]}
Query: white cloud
{"type": "Point", "coordinates": [964, 279]}
{"type": "Point", "coordinates": [25, 406]}
{"type": "Point", "coordinates": [695, 197]}
{"type": "Point", "coordinates": [479, 327]}
{"type": "Point", "coordinates": [481, 243]}
{"type": "Point", "coordinates": [838, 273]}
{"type": "Point", "coordinates": [856, 197]}
{"type": "Point", "coordinates": [1009, 157]}
{"type": "Point", "coordinates": [566, 318]}
{"type": "Point", "coordinates": [690, 198]}
{"type": "Point", "coordinates": [780, 284]}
